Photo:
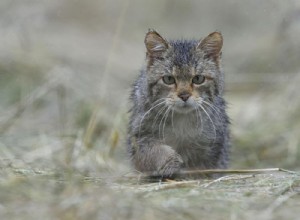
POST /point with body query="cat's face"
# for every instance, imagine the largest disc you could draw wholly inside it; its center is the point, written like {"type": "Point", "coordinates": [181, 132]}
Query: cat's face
{"type": "Point", "coordinates": [183, 88]}
{"type": "Point", "coordinates": [184, 75]}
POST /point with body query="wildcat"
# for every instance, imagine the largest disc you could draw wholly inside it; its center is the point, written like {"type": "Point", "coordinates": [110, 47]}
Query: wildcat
{"type": "Point", "coordinates": [178, 118]}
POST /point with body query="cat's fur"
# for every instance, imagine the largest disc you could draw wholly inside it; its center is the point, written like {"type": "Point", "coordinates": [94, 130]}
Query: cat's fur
{"type": "Point", "coordinates": [182, 124]}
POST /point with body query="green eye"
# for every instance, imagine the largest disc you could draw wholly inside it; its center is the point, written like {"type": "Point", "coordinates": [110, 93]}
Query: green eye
{"type": "Point", "coordinates": [169, 80]}
{"type": "Point", "coordinates": [198, 79]}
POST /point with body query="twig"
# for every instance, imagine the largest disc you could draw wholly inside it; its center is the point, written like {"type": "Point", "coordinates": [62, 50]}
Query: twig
{"type": "Point", "coordinates": [175, 184]}
{"type": "Point", "coordinates": [218, 171]}
{"type": "Point", "coordinates": [170, 184]}
{"type": "Point", "coordinates": [225, 178]}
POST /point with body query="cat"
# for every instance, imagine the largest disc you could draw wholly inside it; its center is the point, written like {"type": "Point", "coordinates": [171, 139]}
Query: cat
{"type": "Point", "coordinates": [178, 117]}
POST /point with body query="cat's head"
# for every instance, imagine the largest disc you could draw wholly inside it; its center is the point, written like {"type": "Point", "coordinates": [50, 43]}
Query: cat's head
{"type": "Point", "coordinates": [184, 74]}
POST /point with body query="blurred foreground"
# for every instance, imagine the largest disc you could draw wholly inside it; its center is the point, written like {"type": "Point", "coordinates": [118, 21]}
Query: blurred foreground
{"type": "Point", "coordinates": [65, 73]}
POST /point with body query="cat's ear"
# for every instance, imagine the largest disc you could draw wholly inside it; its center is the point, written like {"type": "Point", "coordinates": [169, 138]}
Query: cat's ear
{"type": "Point", "coordinates": [155, 45]}
{"type": "Point", "coordinates": [211, 46]}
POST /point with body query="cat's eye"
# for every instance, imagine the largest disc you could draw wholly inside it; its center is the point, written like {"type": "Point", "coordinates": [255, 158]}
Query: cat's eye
{"type": "Point", "coordinates": [169, 80]}
{"type": "Point", "coordinates": [198, 79]}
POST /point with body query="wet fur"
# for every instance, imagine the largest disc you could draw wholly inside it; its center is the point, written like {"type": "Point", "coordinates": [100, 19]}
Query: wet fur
{"type": "Point", "coordinates": [163, 136]}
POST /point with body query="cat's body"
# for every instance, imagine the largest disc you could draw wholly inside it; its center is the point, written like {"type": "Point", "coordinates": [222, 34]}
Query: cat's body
{"type": "Point", "coordinates": [178, 118]}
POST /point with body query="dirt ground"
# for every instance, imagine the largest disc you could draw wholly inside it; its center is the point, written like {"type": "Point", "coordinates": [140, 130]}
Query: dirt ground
{"type": "Point", "coordinates": [66, 68]}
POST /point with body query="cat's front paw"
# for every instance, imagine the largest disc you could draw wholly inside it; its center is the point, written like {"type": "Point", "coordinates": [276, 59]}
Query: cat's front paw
{"type": "Point", "coordinates": [171, 166]}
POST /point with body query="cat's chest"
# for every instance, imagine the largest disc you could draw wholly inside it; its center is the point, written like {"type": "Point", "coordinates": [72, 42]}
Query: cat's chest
{"type": "Point", "coordinates": [183, 129]}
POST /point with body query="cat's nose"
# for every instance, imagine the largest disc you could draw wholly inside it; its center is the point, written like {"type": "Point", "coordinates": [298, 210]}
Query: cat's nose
{"type": "Point", "coordinates": [184, 96]}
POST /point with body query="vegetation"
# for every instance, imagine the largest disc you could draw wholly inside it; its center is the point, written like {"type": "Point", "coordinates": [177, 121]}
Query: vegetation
{"type": "Point", "coordinates": [65, 73]}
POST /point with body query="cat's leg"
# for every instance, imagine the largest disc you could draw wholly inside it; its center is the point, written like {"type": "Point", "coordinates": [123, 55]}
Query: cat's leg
{"type": "Point", "coordinates": [156, 159]}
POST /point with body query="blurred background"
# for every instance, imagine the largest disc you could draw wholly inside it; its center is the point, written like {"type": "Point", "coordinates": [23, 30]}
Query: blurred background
{"type": "Point", "coordinates": [66, 69]}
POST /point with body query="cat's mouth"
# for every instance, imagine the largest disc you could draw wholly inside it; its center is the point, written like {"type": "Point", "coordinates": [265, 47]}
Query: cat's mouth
{"type": "Point", "coordinates": [183, 107]}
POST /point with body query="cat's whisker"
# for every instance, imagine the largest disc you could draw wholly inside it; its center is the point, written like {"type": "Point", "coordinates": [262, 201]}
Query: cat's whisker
{"type": "Point", "coordinates": [215, 133]}
{"type": "Point", "coordinates": [212, 105]}
{"type": "Point", "coordinates": [198, 115]}
{"type": "Point", "coordinates": [153, 107]}
{"type": "Point", "coordinates": [161, 121]}
{"type": "Point", "coordinates": [215, 109]}
{"type": "Point", "coordinates": [158, 100]}
{"type": "Point", "coordinates": [172, 120]}
{"type": "Point", "coordinates": [157, 116]}
{"type": "Point", "coordinates": [163, 130]}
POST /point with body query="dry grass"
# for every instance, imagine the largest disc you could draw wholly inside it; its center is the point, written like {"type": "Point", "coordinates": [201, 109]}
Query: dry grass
{"type": "Point", "coordinates": [71, 195]}
{"type": "Point", "coordinates": [65, 74]}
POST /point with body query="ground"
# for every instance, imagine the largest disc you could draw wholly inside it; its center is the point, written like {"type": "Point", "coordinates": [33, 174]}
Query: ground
{"type": "Point", "coordinates": [66, 70]}
{"type": "Point", "coordinates": [70, 195]}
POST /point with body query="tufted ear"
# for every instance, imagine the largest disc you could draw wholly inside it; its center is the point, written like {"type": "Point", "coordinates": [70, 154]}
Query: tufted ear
{"type": "Point", "coordinates": [155, 45]}
{"type": "Point", "coordinates": [211, 45]}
